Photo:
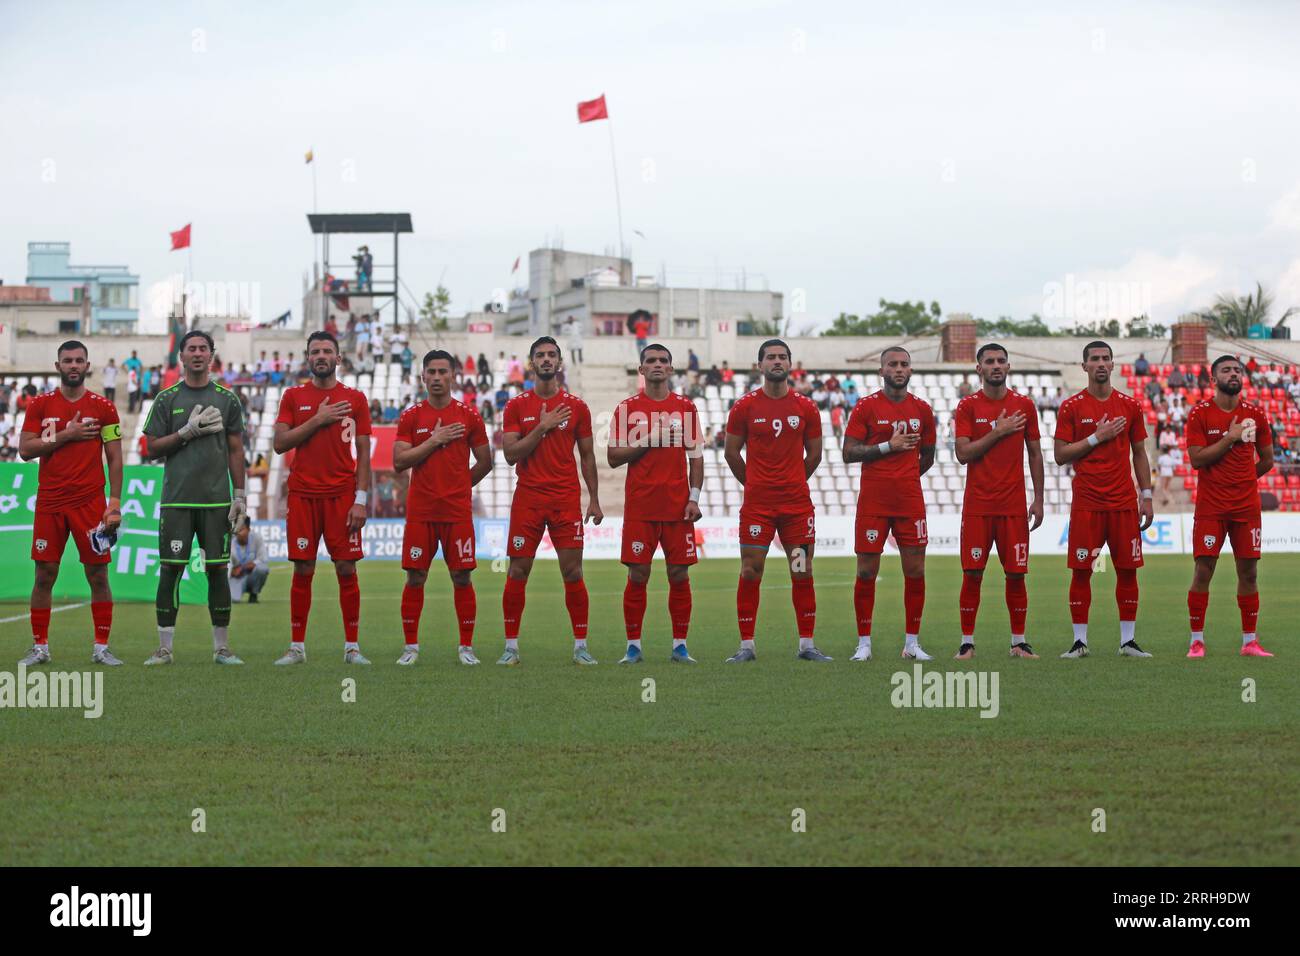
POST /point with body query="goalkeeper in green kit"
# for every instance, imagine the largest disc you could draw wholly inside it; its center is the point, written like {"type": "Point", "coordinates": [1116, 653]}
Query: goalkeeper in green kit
{"type": "Point", "coordinates": [198, 427]}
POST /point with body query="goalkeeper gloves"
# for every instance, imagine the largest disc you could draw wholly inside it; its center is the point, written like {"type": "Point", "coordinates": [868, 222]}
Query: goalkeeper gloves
{"type": "Point", "coordinates": [202, 421]}
{"type": "Point", "coordinates": [238, 509]}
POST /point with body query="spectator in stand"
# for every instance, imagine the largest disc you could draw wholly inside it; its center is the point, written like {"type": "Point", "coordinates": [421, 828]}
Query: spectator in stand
{"type": "Point", "coordinates": [1058, 398]}
{"type": "Point", "coordinates": [386, 493]}
{"type": "Point", "coordinates": [1252, 368]}
{"type": "Point", "coordinates": [693, 364]}
{"type": "Point", "coordinates": [146, 384]}
{"type": "Point", "coordinates": [1294, 391]}
{"type": "Point", "coordinates": [1168, 439]}
{"type": "Point", "coordinates": [8, 453]}
{"type": "Point", "coordinates": [707, 438]}
{"type": "Point", "coordinates": [407, 358]}
{"type": "Point", "coordinates": [469, 392]}
{"type": "Point", "coordinates": [1177, 380]}
{"type": "Point", "coordinates": [727, 374]}
{"type": "Point", "coordinates": [1273, 379]}
{"type": "Point", "coordinates": [640, 328]}
{"type": "Point", "coordinates": [376, 411]}
{"type": "Point", "coordinates": [851, 394]}
{"type": "Point", "coordinates": [713, 376]}
{"type": "Point", "coordinates": [258, 401]}
{"type": "Point", "coordinates": [837, 421]}
{"type": "Point", "coordinates": [132, 390]}
{"type": "Point", "coordinates": [229, 375]}
{"type": "Point", "coordinates": [798, 373]}
{"type": "Point", "coordinates": [498, 439]}
{"type": "Point", "coordinates": [1154, 391]}
{"type": "Point", "coordinates": [108, 375]}
{"type": "Point", "coordinates": [1203, 376]}
{"type": "Point", "coordinates": [720, 439]}
{"type": "Point", "coordinates": [6, 393]}
{"type": "Point", "coordinates": [573, 336]}
{"type": "Point", "coordinates": [362, 336]}
{"type": "Point", "coordinates": [501, 397]}
{"type": "Point", "coordinates": [391, 413]}
{"type": "Point", "coordinates": [1165, 465]}
{"type": "Point", "coordinates": [964, 388]}
{"type": "Point", "coordinates": [1177, 415]}
{"type": "Point", "coordinates": [484, 373]}
{"type": "Point", "coordinates": [819, 395]}
{"type": "Point", "coordinates": [1141, 367]}
{"type": "Point", "coordinates": [350, 334]}
{"type": "Point", "coordinates": [680, 383]}
{"type": "Point", "coordinates": [515, 371]}
{"type": "Point", "coordinates": [834, 394]}
{"type": "Point", "coordinates": [501, 368]}
{"type": "Point", "coordinates": [488, 413]}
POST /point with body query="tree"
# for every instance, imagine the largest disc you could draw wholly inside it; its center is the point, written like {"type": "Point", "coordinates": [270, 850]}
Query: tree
{"type": "Point", "coordinates": [1141, 327]}
{"type": "Point", "coordinates": [768, 328]}
{"type": "Point", "coordinates": [436, 309]}
{"type": "Point", "coordinates": [1232, 315]}
{"type": "Point", "coordinates": [1032, 327]}
{"type": "Point", "coordinates": [893, 319]}
{"type": "Point", "coordinates": [1101, 329]}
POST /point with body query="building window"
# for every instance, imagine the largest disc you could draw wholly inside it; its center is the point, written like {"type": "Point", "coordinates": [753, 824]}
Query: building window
{"type": "Point", "coordinates": [69, 326]}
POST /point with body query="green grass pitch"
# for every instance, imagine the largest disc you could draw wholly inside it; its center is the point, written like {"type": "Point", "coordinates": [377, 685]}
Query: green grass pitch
{"type": "Point", "coordinates": [709, 773]}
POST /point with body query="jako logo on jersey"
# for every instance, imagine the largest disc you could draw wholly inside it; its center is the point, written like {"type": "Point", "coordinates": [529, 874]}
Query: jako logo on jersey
{"type": "Point", "coordinates": [976, 553]}
{"type": "Point", "coordinates": [304, 408]}
{"type": "Point", "coordinates": [760, 421]}
{"type": "Point", "coordinates": [415, 553]}
{"type": "Point", "coordinates": [302, 544]}
{"type": "Point", "coordinates": [638, 547]}
{"type": "Point", "coordinates": [793, 420]}
{"type": "Point", "coordinates": [531, 418]}
{"type": "Point", "coordinates": [518, 541]}
{"type": "Point", "coordinates": [176, 547]}
{"type": "Point", "coordinates": [872, 535]}
{"type": "Point", "coordinates": [1209, 540]}
{"type": "Point", "coordinates": [1081, 554]}
{"type": "Point", "coordinates": [755, 530]}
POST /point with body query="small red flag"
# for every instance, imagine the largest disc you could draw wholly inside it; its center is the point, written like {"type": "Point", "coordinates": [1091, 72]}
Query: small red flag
{"type": "Point", "coordinates": [181, 238]}
{"type": "Point", "coordinates": [593, 110]}
{"type": "Point", "coordinates": [516, 265]}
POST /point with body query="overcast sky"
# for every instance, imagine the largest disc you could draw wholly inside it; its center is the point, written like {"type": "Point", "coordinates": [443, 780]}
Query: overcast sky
{"type": "Point", "coordinates": [852, 151]}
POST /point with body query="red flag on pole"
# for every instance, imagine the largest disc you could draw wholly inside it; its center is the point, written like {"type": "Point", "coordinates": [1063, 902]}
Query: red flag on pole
{"type": "Point", "coordinates": [181, 238]}
{"type": "Point", "coordinates": [515, 268]}
{"type": "Point", "coordinates": [593, 110]}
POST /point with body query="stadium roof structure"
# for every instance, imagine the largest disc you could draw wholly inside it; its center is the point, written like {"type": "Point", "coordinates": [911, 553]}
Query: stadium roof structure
{"type": "Point", "coordinates": [359, 222]}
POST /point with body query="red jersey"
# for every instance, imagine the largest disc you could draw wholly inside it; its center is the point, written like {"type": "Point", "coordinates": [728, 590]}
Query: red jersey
{"type": "Point", "coordinates": [995, 482]}
{"type": "Point", "coordinates": [1103, 478]}
{"type": "Point", "coordinates": [1229, 485]}
{"type": "Point", "coordinates": [657, 488]}
{"type": "Point", "coordinates": [550, 473]}
{"type": "Point", "coordinates": [324, 466]}
{"type": "Point", "coordinates": [74, 474]}
{"type": "Point", "coordinates": [774, 430]}
{"type": "Point", "coordinates": [891, 485]}
{"type": "Point", "coordinates": [440, 488]}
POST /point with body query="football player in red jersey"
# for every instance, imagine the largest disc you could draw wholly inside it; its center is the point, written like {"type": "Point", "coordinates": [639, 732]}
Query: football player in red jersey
{"type": "Point", "coordinates": [1230, 442]}
{"type": "Point", "coordinates": [73, 432]}
{"type": "Point", "coordinates": [327, 490]}
{"type": "Point", "coordinates": [435, 439]}
{"type": "Point", "coordinates": [995, 428]}
{"type": "Point", "coordinates": [541, 428]}
{"type": "Point", "coordinates": [656, 433]}
{"type": "Point", "coordinates": [892, 433]}
{"type": "Point", "coordinates": [780, 432]}
{"type": "Point", "coordinates": [1101, 433]}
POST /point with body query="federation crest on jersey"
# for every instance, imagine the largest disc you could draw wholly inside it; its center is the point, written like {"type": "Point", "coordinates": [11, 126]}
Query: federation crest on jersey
{"type": "Point", "coordinates": [914, 424]}
{"type": "Point", "coordinates": [302, 544]}
{"type": "Point", "coordinates": [41, 544]}
{"type": "Point", "coordinates": [976, 553]}
{"type": "Point", "coordinates": [517, 541]}
{"type": "Point", "coordinates": [1209, 540]}
{"type": "Point", "coordinates": [638, 547]}
{"type": "Point", "coordinates": [792, 421]}
{"type": "Point", "coordinates": [872, 535]}
{"type": "Point", "coordinates": [176, 546]}
{"type": "Point", "coordinates": [416, 553]}
{"type": "Point", "coordinates": [1081, 554]}
{"type": "Point", "coordinates": [755, 530]}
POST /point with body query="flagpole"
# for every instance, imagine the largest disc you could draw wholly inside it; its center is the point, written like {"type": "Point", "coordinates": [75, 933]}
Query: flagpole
{"type": "Point", "coordinates": [618, 201]}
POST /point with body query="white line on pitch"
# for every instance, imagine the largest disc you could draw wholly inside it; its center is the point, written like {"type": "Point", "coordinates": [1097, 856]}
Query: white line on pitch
{"type": "Point", "coordinates": [53, 610]}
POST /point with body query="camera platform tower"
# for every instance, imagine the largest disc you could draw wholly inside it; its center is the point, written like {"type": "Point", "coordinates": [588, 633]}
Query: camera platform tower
{"type": "Point", "coordinates": [345, 293]}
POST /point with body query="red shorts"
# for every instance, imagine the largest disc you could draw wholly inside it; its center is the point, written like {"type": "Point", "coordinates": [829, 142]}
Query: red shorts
{"type": "Point", "coordinates": [870, 532]}
{"type": "Point", "coordinates": [1011, 534]}
{"type": "Point", "coordinates": [310, 519]}
{"type": "Point", "coordinates": [641, 538]}
{"type": "Point", "coordinates": [50, 530]}
{"type": "Point", "coordinates": [421, 539]}
{"type": "Point", "coordinates": [1244, 529]}
{"type": "Point", "coordinates": [528, 521]}
{"type": "Point", "coordinates": [759, 527]}
{"type": "Point", "coordinates": [1118, 530]}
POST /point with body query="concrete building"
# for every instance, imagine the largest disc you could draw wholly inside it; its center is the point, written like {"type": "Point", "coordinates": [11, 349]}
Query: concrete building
{"type": "Point", "coordinates": [111, 291]}
{"type": "Point", "coordinates": [601, 292]}
{"type": "Point", "coordinates": [29, 310]}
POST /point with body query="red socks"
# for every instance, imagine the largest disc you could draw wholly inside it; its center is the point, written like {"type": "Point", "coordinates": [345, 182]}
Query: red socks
{"type": "Point", "coordinates": [913, 604]}
{"type": "Point", "coordinates": [679, 608]}
{"type": "Point", "coordinates": [101, 612]}
{"type": "Point", "coordinates": [968, 604]}
{"type": "Point", "coordinates": [41, 625]}
{"type": "Point", "coordinates": [512, 606]}
{"type": "Point", "coordinates": [864, 602]}
{"type": "Point", "coordinates": [1249, 605]}
{"type": "Point", "coordinates": [575, 599]}
{"type": "Point", "coordinates": [804, 598]}
{"type": "Point", "coordinates": [1197, 602]}
{"type": "Point", "coordinates": [1017, 604]}
{"type": "Point", "coordinates": [412, 605]}
{"type": "Point", "coordinates": [1080, 595]}
{"type": "Point", "coordinates": [1126, 593]}
{"type": "Point", "coordinates": [466, 611]}
{"type": "Point", "coordinates": [633, 608]}
{"type": "Point", "coordinates": [299, 606]}
{"type": "Point", "coordinates": [746, 607]}
{"type": "Point", "coordinates": [350, 604]}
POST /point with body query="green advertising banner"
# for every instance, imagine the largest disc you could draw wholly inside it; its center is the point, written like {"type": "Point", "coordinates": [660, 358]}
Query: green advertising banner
{"type": "Point", "coordinates": [133, 572]}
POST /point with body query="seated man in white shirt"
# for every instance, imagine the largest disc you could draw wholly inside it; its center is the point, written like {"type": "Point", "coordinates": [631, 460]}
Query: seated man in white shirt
{"type": "Point", "coordinates": [249, 565]}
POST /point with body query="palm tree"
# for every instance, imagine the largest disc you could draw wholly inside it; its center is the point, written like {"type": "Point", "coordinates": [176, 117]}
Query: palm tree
{"type": "Point", "coordinates": [1232, 315]}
